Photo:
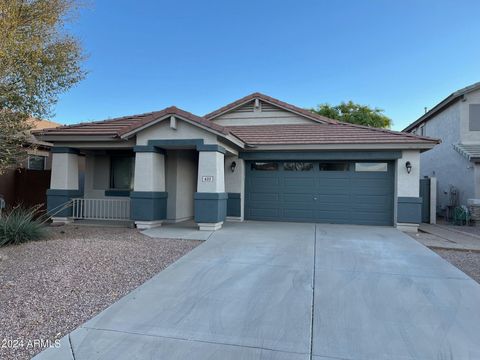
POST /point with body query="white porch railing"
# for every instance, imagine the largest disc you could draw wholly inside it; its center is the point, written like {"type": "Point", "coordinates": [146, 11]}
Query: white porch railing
{"type": "Point", "coordinates": [101, 209]}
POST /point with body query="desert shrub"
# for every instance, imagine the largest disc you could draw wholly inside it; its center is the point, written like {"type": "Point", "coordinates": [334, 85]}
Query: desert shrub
{"type": "Point", "coordinates": [20, 224]}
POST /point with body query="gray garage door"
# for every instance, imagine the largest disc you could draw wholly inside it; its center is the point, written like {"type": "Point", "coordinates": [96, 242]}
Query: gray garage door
{"type": "Point", "coordinates": [341, 192]}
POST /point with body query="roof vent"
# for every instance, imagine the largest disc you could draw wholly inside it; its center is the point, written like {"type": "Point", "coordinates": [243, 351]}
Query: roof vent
{"type": "Point", "coordinates": [256, 106]}
{"type": "Point", "coordinates": [246, 108]}
{"type": "Point", "coordinates": [173, 122]}
{"type": "Point", "coordinates": [266, 107]}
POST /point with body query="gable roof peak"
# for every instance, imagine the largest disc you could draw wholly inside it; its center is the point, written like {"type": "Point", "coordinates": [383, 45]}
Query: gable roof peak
{"type": "Point", "coordinates": [443, 105]}
{"type": "Point", "coordinates": [281, 104]}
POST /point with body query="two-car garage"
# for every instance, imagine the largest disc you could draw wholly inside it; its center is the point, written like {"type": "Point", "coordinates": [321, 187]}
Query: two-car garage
{"type": "Point", "coordinates": [343, 192]}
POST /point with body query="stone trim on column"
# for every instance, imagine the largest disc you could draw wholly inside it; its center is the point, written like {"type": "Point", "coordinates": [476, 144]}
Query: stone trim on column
{"type": "Point", "coordinates": [56, 200]}
{"type": "Point", "coordinates": [64, 183]}
{"type": "Point", "coordinates": [148, 208]}
{"type": "Point", "coordinates": [148, 200]}
{"type": "Point", "coordinates": [210, 210]}
{"type": "Point", "coordinates": [409, 210]}
{"type": "Point", "coordinates": [210, 198]}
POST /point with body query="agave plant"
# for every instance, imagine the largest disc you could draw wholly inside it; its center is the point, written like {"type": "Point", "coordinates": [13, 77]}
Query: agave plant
{"type": "Point", "coordinates": [21, 224]}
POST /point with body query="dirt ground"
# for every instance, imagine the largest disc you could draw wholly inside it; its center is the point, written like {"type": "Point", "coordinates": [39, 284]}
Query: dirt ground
{"type": "Point", "coordinates": [467, 261]}
{"type": "Point", "coordinates": [48, 288]}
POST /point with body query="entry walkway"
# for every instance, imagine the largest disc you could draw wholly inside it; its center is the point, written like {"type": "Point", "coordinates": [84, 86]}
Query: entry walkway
{"type": "Point", "coordinates": [448, 237]}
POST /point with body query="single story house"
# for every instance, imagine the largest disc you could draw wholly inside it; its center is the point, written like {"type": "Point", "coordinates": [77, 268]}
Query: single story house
{"type": "Point", "coordinates": [257, 158]}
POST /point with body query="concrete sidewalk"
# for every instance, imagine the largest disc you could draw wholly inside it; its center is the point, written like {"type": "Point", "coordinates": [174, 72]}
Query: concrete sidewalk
{"type": "Point", "coordinates": [258, 291]}
{"type": "Point", "coordinates": [446, 237]}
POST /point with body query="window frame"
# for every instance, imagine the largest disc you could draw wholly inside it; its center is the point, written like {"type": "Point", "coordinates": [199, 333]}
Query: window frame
{"type": "Point", "coordinates": [474, 117]}
{"type": "Point", "coordinates": [44, 163]}
{"type": "Point", "coordinates": [422, 130]}
{"type": "Point", "coordinates": [366, 170]}
{"type": "Point", "coordinates": [298, 169]}
{"type": "Point", "coordinates": [254, 164]}
{"type": "Point", "coordinates": [346, 167]}
{"type": "Point", "coordinates": [132, 172]}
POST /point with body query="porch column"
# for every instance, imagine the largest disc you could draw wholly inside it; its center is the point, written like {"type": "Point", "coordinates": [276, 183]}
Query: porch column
{"type": "Point", "coordinates": [148, 198]}
{"type": "Point", "coordinates": [64, 184]}
{"type": "Point", "coordinates": [210, 198]}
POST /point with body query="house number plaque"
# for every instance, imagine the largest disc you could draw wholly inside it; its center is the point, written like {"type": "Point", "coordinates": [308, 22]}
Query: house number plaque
{"type": "Point", "coordinates": [207, 178]}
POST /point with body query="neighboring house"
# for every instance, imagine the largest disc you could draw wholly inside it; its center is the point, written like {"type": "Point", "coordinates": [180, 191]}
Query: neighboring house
{"type": "Point", "coordinates": [27, 182]}
{"type": "Point", "coordinates": [456, 161]}
{"type": "Point", "coordinates": [257, 158]}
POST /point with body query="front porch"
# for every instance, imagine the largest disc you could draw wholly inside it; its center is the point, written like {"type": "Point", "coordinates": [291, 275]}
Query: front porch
{"type": "Point", "coordinates": [163, 181]}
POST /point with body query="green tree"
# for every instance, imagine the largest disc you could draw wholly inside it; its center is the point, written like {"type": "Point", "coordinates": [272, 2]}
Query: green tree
{"type": "Point", "coordinates": [355, 114]}
{"type": "Point", "coordinates": [38, 61]}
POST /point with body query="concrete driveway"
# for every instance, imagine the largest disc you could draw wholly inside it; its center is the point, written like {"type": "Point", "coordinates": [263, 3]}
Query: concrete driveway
{"type": "Point", "coordinates": [259, 290]}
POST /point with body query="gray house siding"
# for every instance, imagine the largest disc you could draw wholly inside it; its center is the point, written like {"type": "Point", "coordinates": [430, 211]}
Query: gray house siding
{"type": "Point", "coordinates": [447, 165]}
{"type": "Point", "coordinates": [468, 135]}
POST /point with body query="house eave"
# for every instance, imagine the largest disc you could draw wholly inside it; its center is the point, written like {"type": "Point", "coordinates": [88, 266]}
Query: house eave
{"type": "Point", "coordinates": [390, 146]}
{"type": "Point", "coordinates": [77, 137]}
{"type": "Point", "coordinates": [261, 97]}
{"type": "Point", "coordinates": [449, 100]}
{"type": "Point", "coordinates": [228, 137]}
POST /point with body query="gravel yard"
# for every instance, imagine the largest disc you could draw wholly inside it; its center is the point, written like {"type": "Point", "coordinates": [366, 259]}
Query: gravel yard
{"type": "Point", "coordinates": [48, 288]}
{"type": "Point", "coordinates": [467, 261]}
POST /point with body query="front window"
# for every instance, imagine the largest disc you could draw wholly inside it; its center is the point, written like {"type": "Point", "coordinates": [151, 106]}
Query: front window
{"type": "Point", "coordinates": [121, 172]}
{"type": "Point", "coordinates": [334, 166]}
{"type": "Point", "coordinates": [298, 166]}
{"type": "Point", "coordinates": [265, 166]}
{"type": "Point", "coordinates": [371, 167]}
{"type": "Point", "coordinates": [36, 162]}
{"type": "Point", "coordinates": [422, 130]}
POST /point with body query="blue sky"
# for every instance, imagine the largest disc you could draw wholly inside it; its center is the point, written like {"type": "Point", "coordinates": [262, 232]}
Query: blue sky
{"type": "Point", "coordinates": [199, 55]}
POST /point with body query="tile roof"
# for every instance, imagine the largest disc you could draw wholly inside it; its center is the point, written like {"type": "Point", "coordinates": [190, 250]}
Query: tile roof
{"type": "Point", "coordinates": [269, 99]}
{"type": "Point", "coordinates": [38, 124]}
{"type": "Point", "coordinates": [322, 131]}
{"type": "Point", "coordinates": [339, 133]}
{"type": "Point", "coordinates": [118, 127]}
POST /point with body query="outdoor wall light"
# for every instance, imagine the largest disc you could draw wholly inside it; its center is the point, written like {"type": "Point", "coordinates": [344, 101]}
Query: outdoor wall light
{"type": "Point", "coordinates": [233, 166]}
{"type": "Point", "coordinates": [408, 165]}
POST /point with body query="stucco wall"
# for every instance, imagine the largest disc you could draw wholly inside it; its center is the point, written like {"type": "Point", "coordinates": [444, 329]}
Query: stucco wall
{"type": "Point", "coordinates": [181, 182]}
{"type": "Point", "coordinates": [408, 185]}
{"type": "Point", "coordinates": [211, 163]}
{"type": "Point", "coordinates": [64, 172]}
{"type": "Point", "coordinates": [149, 172]}
{"type": "Point", "coordinates": [97, 176]}
{"type": "Point", "coordinates": [447, 165]}
{"type": "Point", "coordinates": [235, 181]}
{"type": "Point", "coordinates": [186, 183]}
{"type": "Point", "coordinates": [467, 136]}
{"type": "Point", "coordinates": [171, 183]}
{"type": "Point", "coordinates": [184, 130]}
